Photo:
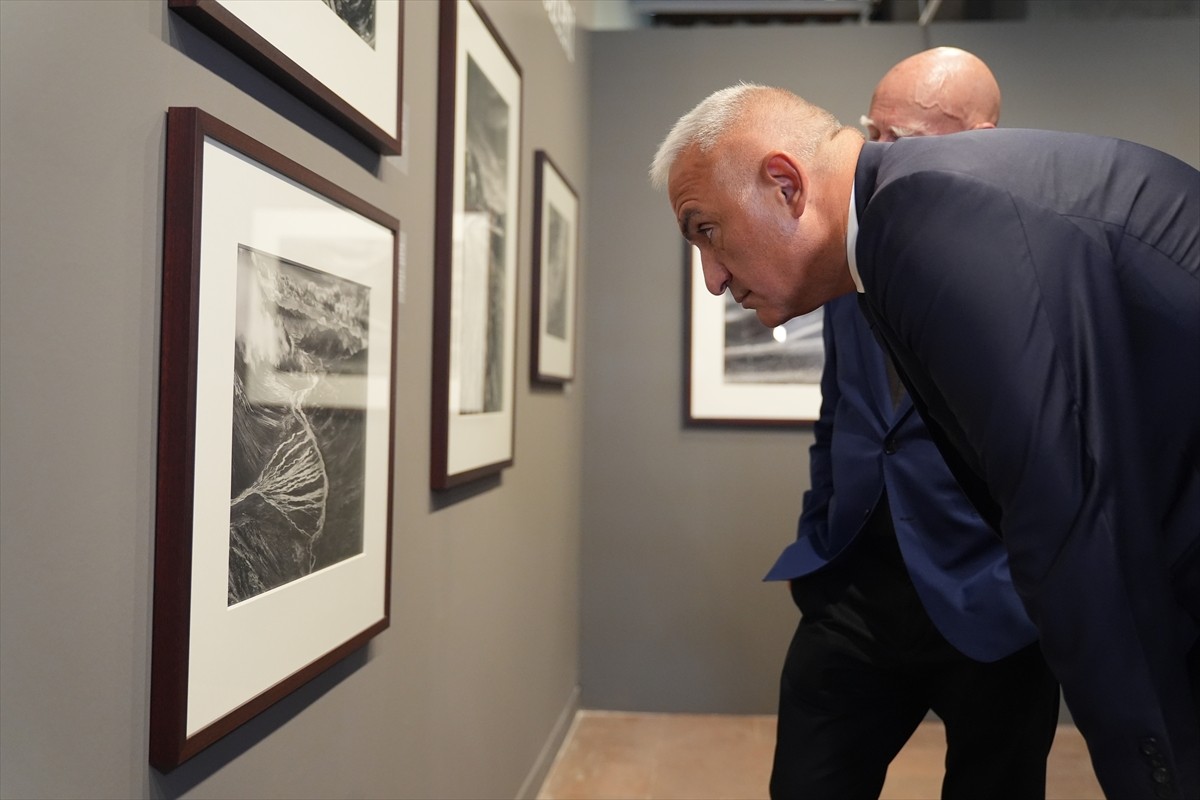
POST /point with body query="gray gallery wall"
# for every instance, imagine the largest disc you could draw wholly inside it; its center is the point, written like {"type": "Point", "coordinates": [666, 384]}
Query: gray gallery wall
{"type": "Point", "coordinates": [461, 696]}
{"type": "Point", "coordinates": [680, 524]}
{"type": "Point", "coordinates": [622, 552]}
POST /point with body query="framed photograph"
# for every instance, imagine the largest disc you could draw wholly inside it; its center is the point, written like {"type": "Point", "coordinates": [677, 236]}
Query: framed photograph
{"type": "Point", "coordinates": [275, 430]}
{"type": "Point", "coordinates": [475, 249]}
{"type": "Point", "coordinates": [741, 372]}
{"type": "Point", "coordinates": [555, 267]}
{"type": "Point", "coordinates": [345, 58]}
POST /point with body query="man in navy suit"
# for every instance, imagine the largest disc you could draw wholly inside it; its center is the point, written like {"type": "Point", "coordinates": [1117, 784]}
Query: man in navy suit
{"type": "Point", "coordinates": [905, 592]}
{"type": "Point", "coordinates": [1039, 294]}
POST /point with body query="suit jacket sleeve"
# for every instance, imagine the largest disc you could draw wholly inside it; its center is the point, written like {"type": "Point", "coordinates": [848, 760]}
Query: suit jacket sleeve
{"type": "Point", "coordinates": [1007, 330]}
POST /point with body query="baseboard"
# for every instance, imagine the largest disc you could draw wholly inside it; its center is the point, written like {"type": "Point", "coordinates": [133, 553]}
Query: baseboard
{"type": "Point", "coordinates": [545, 760]}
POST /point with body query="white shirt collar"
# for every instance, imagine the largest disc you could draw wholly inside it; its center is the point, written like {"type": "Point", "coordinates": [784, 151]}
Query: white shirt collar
{"type": "Point", "coordinates": [852, 243]}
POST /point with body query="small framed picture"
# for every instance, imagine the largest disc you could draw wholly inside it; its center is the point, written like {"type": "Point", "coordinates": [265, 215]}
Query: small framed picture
{"type": "Point", "coordinates": [276, 419]}
{"type": "Point", "coordinates": [345, 58]}
{"type": "Point", "coordinates": [555, 268]}
{"type": "Point", "coordinates": [739, 371]}
{"type": "Point", "coordinates": [475, 249]}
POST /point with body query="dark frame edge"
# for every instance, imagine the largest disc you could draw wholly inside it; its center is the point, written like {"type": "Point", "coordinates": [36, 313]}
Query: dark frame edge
{"type": "Point", "coordinates": [187, 128]}
{"type": "Point", "coordinates": [439, 475]}
{"type": "Point", "coordinates": [535, 272]}
{"type": "Point", "coordinates": [541, 160]}
{"type": "Point", "coordinates": [176, 439]}
{"type": "Point", "coordinates": [239, 38]}
{"type": "Point", "coordinates": [223, 726]}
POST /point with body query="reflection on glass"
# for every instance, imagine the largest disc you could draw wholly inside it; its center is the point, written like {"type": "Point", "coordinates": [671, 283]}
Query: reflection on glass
{"type": "Point", "coordinates": [559, 235]}
{"type": "Point", "coordinates": [755, 353]}
{"type": "Point", "coordinates": [480, 324]}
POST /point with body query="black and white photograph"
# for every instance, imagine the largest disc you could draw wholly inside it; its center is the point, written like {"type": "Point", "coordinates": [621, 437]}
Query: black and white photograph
{"type": "Point", "coordinates": [276, 419]}
{"type": "Point", "coordinates": [558, 240]}
{"type": "Point", "coordinates": [344, 58]}
{"type": "Point", "coordinates": [793, 352]}
{"type": "Point", "coordinates": [741, 372]}
{"type": "Point", "coordinates": [555, 268]}
{"type": "Point", "coordinates": [475, 249]}
{"type": "Point", "coordinates": [296, 499]}
{"type": "Point", "coordinates": [482, 327]}
{"type": "Point", "coordinates": [359, 15]}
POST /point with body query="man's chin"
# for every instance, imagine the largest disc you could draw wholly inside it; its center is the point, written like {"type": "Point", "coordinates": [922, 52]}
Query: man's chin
{"type": "Point", "coordinates": [771, 317]}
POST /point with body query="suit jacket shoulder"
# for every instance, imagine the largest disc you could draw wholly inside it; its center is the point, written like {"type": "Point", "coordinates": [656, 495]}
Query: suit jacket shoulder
{"type": "Point", "coordinates": [1041, 293]}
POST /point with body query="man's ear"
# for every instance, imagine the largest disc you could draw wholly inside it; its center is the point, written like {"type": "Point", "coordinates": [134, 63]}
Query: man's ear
{"type": "Point", "coordinates": [789, 178]}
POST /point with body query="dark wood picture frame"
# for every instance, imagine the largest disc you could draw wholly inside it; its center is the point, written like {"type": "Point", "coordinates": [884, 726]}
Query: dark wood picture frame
{"type": "Point", "coordinates": [367, 119]}
{"type": "Point", "coordinates": [555, 273]}
{"type": "Point", "coordinates": [215, 177]}
{"type": "Point", "coordinates": [739, 373]}
{"type": "Point", "coordinates": [475, 249]}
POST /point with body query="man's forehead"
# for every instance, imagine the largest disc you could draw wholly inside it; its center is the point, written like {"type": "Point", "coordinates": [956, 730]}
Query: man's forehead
{"type": "Point", "coordinates": [690, 158]}
{"type": "Point", "coordinates": [689, 190]}
{"type": "Point", "coordinates": [689, 170]}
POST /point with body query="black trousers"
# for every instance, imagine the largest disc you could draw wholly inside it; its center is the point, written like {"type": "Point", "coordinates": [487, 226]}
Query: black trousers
{"type": "Point", "coordinates": [866, 665]}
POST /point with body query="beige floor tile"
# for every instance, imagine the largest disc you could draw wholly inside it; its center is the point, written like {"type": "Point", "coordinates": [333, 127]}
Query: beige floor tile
{"type": "Point", "coordinates": [916, 772]}
{"type": "Point", "coordinates": [604, 756]}
{"type": "Point", "coordinates": [628, 756]}
{"type": "Point", "coordinates": [714, 757]}
{"type": "Point", "coordinates": [1069, 775]}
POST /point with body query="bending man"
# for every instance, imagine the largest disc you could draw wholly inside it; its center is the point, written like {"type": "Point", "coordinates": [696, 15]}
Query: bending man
{"type": "Point", "coordinates": [905, 592]}
{"type": "Point", "coordinates": [1039, 294]}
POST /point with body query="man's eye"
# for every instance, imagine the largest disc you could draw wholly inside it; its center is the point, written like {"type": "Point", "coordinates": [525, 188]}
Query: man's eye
{"type": "Point", "coordinates": [706, 233]}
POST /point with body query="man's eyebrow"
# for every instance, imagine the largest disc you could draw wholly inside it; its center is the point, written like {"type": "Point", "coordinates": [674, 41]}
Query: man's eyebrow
{"type": "Point", "coordinates": [685, 223]}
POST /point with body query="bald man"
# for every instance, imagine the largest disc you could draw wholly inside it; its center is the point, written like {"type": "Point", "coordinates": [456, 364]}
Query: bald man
{"type": "Point", "coordinates": [906, 598]}
{"type": "Point", "coordinates": [938, 91]}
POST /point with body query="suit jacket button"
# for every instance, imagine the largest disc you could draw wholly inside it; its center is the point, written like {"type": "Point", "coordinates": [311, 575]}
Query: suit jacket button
{"type": "Point", "coordinates": [1149, 746]}
{"type": "Point", "coordinates": [889, 446]}
{"type": "Point", "coordinates": [1161, 775]}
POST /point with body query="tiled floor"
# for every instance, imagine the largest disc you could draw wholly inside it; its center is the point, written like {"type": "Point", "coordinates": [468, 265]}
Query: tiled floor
{"type": "Point", "coordinates": [620, 756]}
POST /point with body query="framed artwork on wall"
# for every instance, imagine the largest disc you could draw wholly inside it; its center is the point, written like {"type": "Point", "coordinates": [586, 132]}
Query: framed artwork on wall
{"type": "Point", "coordinates": [555, 271]}
{"type": "Point", "coordinates": [475, 249]}
{"type": "Point", "coordinates": [740, 372]}
{"type": "Point", "coordinates": [276, 419]}
{"type": "Point", "coordinates": [343, 57]}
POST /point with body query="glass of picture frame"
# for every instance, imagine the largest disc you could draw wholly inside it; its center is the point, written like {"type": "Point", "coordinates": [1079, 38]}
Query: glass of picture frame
{"type": "Point", "coordinates": [555, 272]}
{"type": "Point", "coordinates": [740, 372]}
{"type": "Point", "coordinates": [276, 423]}
{"type": "Point", "coordinates": [475, 249]}
{"type": "Point", "coordinates": [345, 58]}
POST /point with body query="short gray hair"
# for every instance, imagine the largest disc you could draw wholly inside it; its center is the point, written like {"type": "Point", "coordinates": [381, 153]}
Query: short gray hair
{"type": "Point", "coordinates": [806, 125]}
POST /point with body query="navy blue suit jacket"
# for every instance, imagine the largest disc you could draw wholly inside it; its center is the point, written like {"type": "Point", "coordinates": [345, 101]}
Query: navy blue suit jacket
{"type": "Point", "coordinates": [1040, 294]}
{"type": "Point", "coordinates": [863, 443]}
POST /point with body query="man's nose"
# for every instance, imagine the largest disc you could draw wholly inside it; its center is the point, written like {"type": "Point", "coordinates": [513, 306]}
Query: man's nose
{"type": "Point", "coordinates": [716, 277]}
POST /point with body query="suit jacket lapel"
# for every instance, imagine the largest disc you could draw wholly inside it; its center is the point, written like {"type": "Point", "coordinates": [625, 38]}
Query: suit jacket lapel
{"type": "Point", "coordinates": [865, 176]}
{"type": "Point", "coordinates": [873, 357]}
